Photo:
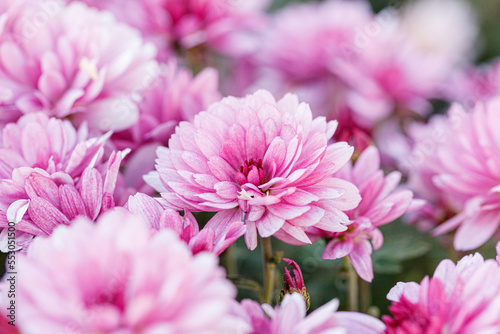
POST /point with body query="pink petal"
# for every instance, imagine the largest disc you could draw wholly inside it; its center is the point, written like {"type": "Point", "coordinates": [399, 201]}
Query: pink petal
{"type": "Point", "coordinates": [91, 191]}
{"type": "Point", "coordinates": [45, 215]}
{"type": "Point", "coordinates": [337, 249]}
{"type": "Point", "coordinates": [71, 202]}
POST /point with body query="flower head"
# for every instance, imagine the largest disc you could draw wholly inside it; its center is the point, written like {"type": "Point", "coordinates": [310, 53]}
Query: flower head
{"type": "Point", "coordinates": [37, 202]}
{"type": "Point", "coordinates": [461, 298]}
{"type": "Point", "coordinates": [79, 62]}
{"type": "Point", "coordinates": [186, 24]}
{"type": "Point", "coordinates": [268, 163]}
{"type": "Point", "coordinates": [381, 204]}
{"type": "Point", "coordinates": [452, 165]}
{"type": "Point", "coordinates": [137, 282]}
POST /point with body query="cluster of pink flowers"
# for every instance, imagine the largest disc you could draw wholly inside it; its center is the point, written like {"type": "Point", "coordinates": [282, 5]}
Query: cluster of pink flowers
{"type": "Point", "coordinates": [142, 140]}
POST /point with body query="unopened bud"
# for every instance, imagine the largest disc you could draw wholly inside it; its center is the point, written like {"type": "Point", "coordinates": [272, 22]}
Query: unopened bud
{"type": "Point", "coordinates": [294, 283]}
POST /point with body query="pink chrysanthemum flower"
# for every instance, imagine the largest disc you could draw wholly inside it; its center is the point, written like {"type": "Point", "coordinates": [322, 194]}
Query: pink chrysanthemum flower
{"type": "Point", "coordinates": [267, 162]}
{"type": "Point", "coordinates": [290, 317]}
{"type": "Point", "coordinates": [381, 203]}
{"type": "Point", "coordinates": [113, 276]}
{"type": "Point", "coordinates": [37, 202]}
{"type": "Point", "coordinates": [454, 165]}
{"type": "Point", "coordinates": [185, 24]}
{"type": "Point", "coordinates": [461, 298]}
{"type": "Point", "coordinates": [38, 156]}
{"type": "Point", "coordinates": [174, 96]}
{"type": "Point", "coordinates": [214, 237]}
{"type": "Point", "coordinates": [71, 60]}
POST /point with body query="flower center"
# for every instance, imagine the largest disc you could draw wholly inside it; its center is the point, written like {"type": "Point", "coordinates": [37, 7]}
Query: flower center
{"type": "Point", "coordinates": [251, 172]}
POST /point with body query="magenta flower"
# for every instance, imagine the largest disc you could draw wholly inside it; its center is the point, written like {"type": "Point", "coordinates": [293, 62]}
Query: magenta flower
{"type": "Point", "coordinates": [290, 317]}
{"type": "Point", "coordinates": [137, 282]}
{"type": "Point", "coordinates": [453, 166]}
{"type": "Point", "coordinates": [461, 298]}
{"type": "Point", "coordinates": [188, 23]}
{"type": "Point", "coordinates": [380, 204]}
{"type": "Point", "coordinates": [266, 162]}
{"type": "Point", "coordinates": [294, 283]}
{"type": "Point", "coordinates": [81, 62]}
{"type": "Point", "coordinates": [215, 237]}
{"type": "Point", "coordinates": [37, 202]}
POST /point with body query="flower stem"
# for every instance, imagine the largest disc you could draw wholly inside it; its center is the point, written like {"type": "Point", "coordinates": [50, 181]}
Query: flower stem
{"type": "Point", "coordinates": [269, 270]}
{"type": "Point", "coordinates": [352, 287]}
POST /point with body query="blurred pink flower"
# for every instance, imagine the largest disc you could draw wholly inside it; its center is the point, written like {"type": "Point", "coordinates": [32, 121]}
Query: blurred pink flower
{"type": "Point", "coordinates": [461, 298]}
{"type": "Point", "coordinates": [174, 96]}
{"type": "Point", "coordinates": [261, 161]}
{"type": "Point", "coordinates": [37, 202]}
{"type": "Point", "coordinates": [215, 237]}
{"type": "Point", "coordinates": [185, 24]}
{"type": "Point", "coordinates": [50, 144]}
{"type": "Point", "coordinates": [454, 165]}
{"type": "Point", "coordinates": [297, 57]}
{"type": "Point", "coordinates": [290, 317]}
{"type": "Point", "coordinates": [113, 276]}
{"type": "Point", "coordinates": [71, 60]}
{"type": "Point", "coordinates": [404, 58]}
{"type": "Point", "coordinates": [381, 203]}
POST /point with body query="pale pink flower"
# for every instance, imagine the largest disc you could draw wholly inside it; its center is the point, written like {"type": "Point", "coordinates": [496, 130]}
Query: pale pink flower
{"type": "Point", "coordinates": [381, 204]}
{"type": "Point", "coordinates": [297, 57]}
{"type": "Point", "coordinates": [461, 298]}
{"type": "Point", "coordinates": [454, 166]}
{"type": "Point", "coordinates": [113, 276]}
{"type": "Point", "coordinates": [72, 60]}
{"type": "Point", "coordinates": [37, 202]}
{"type": "Point", "coordinates": [268, 163]}
{"type": "Point", "coordinates": [175, 95]}
{"type": "Point", "coordinates": [476, 84]}
{"type": "Point", "coordinates": [50, 144]}
{"type": "Point", "coordinates": [290, 317]}
{"type": "Point", "coordinates": [215, 236]}
{"type": "Point", "coordinates": [404, 58]}
{"type": "Point", "coordinates": [171, 24]}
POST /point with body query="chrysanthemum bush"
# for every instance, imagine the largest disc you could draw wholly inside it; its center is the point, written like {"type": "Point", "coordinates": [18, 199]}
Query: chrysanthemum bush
{"type": "Point", "coordinates": [230, 166]}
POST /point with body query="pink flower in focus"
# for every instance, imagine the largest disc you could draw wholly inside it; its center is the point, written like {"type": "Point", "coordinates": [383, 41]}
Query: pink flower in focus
{"type": "Point", "coordinates": [37, 202]}
{"type": "Point", "coordinates": [215, 237]}
{"type": "Point", "coordinates": [380, 204]}
{"type": "Point", "coordinates": [113, 276]}
{"type": "Point", "coordinates": [290, 317]}
{"type": "Point", "coordinates": [80, 62]}
{"type": "Point", "coordinates": [174, 96]}
{"type": "Point", "coordinates": [461, 298]}
{"type": "Point", "coordinates": [454, 166]}
{"type": "Point", "coordinates": [264, 162]}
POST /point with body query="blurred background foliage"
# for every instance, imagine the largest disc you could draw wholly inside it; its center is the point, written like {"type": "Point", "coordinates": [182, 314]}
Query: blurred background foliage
{"type": "Point", "coordinates": [407, 254]}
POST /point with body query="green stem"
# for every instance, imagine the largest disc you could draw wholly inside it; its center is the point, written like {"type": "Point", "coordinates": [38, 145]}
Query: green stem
{"type": "Point", "coordinates": [228, 260]}
{"type": "Point", "coordinates": [352, 287]}
{"type": "Point", "coordinates": [269, 270]}
{"type": "Point", "coordinates": [366, 295]}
